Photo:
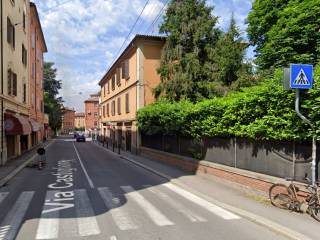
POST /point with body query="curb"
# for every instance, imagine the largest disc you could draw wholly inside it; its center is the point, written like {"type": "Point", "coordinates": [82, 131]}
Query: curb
{"type": "Point", "coordinates": [275, 227]}
{"type": "Point", "coordinates": [13, 173]}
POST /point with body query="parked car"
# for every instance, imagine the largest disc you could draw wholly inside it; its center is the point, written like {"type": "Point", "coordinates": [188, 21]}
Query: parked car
{"type": "Point", "coordinates": [81, 138]}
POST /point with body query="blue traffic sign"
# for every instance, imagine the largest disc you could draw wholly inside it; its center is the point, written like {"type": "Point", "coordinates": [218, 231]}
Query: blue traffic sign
{"type": "Point", "coordinates": [301, 76]}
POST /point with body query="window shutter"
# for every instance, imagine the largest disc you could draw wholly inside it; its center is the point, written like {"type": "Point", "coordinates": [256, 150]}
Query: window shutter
{"type": "Point", "coordinates": [24, 92]}
{"type": "Point", "coordinates": [9, 82]}
{"type": "Point", "coordinates": [127, 103]}
{"type": "Point", "coordinates": [8, 30]}
{"type": "Point", "coordinates": [113, 83]}
{"type": "Point", "coordinates": [14, 85]}
{"type": "Point", "coordinates": [118, 77]}
{"type": "Point", "coordinates": [108, 110]}
{"type": "Point", "coordinates": [13, 37]}
{"type": "Point", "coordinates": [119, 106]}
{"type": "Point", "coordinates": [104, 111]}
{"type": "Point", "coordinates": [123, 68]}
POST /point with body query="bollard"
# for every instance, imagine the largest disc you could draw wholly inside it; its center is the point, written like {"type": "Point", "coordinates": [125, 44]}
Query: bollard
{"type": "Point", "coordinates": [113, 147]}
{"type": "Point", "coordinates": [119, 148]}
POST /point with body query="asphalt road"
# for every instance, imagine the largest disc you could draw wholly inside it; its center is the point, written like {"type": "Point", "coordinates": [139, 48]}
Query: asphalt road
{"type": "Point", "coordinates": [86, 192]}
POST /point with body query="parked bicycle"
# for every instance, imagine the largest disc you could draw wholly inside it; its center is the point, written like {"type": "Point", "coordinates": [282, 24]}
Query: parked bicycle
{"type": "Point", "coordinates": [286, 197]}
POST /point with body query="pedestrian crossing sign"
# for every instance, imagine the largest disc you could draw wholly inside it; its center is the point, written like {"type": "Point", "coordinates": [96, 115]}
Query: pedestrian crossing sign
{"type": "Point", "coordinates": [301, 76]}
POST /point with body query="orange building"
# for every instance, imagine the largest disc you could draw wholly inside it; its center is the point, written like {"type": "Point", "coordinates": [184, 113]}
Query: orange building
{"type": "Point", "coordinates": [79, 121]}
{"type": "Point", "coordinates": [92, 114]}
{"type": "Point", "coordinates": [127, 87]}
{"type": "Point", "coordinates": [68, 119]}
{"type": "Point", "coordinates": [37, 46]}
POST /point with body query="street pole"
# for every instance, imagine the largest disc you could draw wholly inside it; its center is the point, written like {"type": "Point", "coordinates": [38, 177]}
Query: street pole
{"type": "Point", "coordinates": [314, 142]}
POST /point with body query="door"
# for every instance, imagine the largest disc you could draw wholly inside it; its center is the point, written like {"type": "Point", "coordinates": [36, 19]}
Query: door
{"type": "Point", "coordinates": [128, 139]}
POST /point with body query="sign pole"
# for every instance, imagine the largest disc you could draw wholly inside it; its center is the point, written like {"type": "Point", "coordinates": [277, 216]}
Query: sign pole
{"type": "Point", "coordinates": [314, 142]}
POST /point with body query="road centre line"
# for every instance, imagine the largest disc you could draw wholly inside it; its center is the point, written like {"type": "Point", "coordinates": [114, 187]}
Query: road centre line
{"type": "Point", "coordinates": [83, 168]}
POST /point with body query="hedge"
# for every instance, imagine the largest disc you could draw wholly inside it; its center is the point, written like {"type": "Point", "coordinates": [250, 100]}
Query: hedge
{"type": "Point", "coordinates": [265, 111]}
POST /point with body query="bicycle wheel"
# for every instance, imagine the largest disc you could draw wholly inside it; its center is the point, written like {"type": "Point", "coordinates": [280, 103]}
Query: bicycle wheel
{"type": "Point", "coordinates": [314, 208]}
{"type": "Point", "coordinates": [280, 196]}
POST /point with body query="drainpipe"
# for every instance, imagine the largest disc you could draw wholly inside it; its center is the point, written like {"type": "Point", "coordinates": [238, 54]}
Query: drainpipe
{"type": "Point", "coordinates": [2, 114]}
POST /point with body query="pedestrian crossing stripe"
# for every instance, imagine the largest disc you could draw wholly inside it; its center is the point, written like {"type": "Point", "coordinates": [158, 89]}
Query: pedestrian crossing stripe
{"type": "Point", "coordinates": [301, 78]}
{"type": "Point", "coordinates": [84, 222]}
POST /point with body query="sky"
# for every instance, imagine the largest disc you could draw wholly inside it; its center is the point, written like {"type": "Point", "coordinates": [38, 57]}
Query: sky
{"type": "Point", "coordinates": [84, 37]}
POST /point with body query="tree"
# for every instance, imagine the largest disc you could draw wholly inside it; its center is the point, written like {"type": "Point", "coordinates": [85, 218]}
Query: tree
{"type": "Point", "coordinates": [285, 31]}
{"type": "Point", "coordinates": [51, 84]}
{"type": "Point", "coordinates": [228, 57]}
{"type": "Point", "coordinates": [52, 103]}
{"type": "Point", "coordinates": [191, 35]}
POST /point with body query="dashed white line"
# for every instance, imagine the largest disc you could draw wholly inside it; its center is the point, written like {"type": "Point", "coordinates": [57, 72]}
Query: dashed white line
{"type": "Point", "coordinates": [83, 168]}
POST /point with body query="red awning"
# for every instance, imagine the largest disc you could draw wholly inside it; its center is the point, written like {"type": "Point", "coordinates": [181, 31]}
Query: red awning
{"type": "Point", "coordinates": [16, 124]}
{"type": "Point", "coordinates": [35, 125]}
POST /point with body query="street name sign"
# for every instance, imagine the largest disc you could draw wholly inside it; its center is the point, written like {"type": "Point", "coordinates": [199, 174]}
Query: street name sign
{"type": "Point", "coordinates": [301, 76]}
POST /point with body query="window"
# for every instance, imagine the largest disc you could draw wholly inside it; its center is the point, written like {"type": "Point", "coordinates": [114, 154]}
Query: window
{"type": "Point", "coordinates": [95, 123]}
{"type": "Point", "coordinates": [113, 83]}
{"type": "Point", "coordinates": [108, 85]}
{"type": "Point", "coordinates": [118, 77]}
{"type": "Point", "coordinates": [108, 110]}
{"type": "Point", "coordinates": [95, 105]}
{"type": "Point", "coordinates": [119, 105]}
{"type": "Point", "coordinates": [127, 103]}
{"type": "Point", "coordinates": [125, 69]}
{"type": "Point", "coordinates": [104, 111]}
{"type": "Point", "coordinates": [24, 93]}
{"type": "Point", "coordinates": [24, 21]}
{"type": "Point", "coordinates": [32, 100]}
{"type": "Point", "coordinates": [33, 40]}
{"type": "Point", "coordinates": [104, 90]}
{"type": "Point", "coordinates": [113, 108]}
{"type": "Point", "coordinates": [95, 114]}
{"type": "Point", "coordinates": [24, 55]}
{"type": "Point", "coordinates": [10, 33]}
{"type": "Point", "coordinates": [33, 71]}
{"type": "Point", "coordinates": [12, 83]}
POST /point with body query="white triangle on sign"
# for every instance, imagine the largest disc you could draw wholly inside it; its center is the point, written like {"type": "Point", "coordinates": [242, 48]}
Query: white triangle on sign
{"type": "Point", "coordinates": [301, 78]}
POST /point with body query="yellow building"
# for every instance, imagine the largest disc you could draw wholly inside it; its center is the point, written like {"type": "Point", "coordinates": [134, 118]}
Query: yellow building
{"type": "Point", "coordinates": [14, 87]}
{"type": "Point", "coordinates": [126, 87]}
{"type": "Point", "coordinates": [79, 121]}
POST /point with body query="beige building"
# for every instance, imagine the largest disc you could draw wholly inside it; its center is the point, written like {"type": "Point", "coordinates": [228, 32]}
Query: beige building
{"type": "Point", "coordinates": [127, 87]}
{"type": "Point", "coordinates": [14, 87]}
{"type": "Point", "coordinates": [79, 122]}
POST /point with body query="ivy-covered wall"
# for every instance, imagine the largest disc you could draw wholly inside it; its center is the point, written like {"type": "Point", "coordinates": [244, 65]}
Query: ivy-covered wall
{"type": "Point", "coordinates": [265, 111]}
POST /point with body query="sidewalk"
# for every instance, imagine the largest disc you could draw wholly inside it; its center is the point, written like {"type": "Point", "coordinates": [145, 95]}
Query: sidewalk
{"type": "Point", "coordinates": [12, 167]}
{"type": "Point", "coordinates": [232, 195]}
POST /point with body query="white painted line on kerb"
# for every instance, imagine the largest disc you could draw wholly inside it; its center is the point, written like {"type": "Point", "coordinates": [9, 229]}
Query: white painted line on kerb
{"type": "Point", "coordinates": [87, 222]}
{"type": "Point", "coordinates": [48, 227]}
{"type": "Point", "coordinates": [193, 217]}
{"type": "Point", "coordinates": [202, 202]}
{"type": "Point", "coordinates": [13, 220]}
{"type": "Point", "coordinates": [119, 215]}
{"type": "Point", "coordinates": [156, 216]}
{"type": "Point", "coordinates": [83, 168]}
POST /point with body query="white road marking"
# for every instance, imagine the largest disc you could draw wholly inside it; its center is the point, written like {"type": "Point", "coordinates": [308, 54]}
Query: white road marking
{"type": "Point", "coordinates": [193, 217]}
{"type": "Point", "coordinates": [3, 195]}
{"type": "Point", "coordinates": [83, 168]}
{"type": "Point", "coordinates": [202, 202]}
{"type": "Point", "coordinates": [10, 225]}
{"type": "Point", "coordinates": [48, 227]}
{"type": "Point", "coordinates": [87, 223]}
{"type": "Point", "coordinates": [121, 217]}
{"type": "Point", "coordinates": [156, 216]}
{"type": "Point", "coordinates": [113, 238]}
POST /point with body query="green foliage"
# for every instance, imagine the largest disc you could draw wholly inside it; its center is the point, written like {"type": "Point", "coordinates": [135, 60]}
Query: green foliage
{"type": "Point", "coordinates": [191, 35]}
{"type": "Point", "coordinates": [285, 31]}
{"type": "Point", "coordinates": [265, 111]}
{"type": "Point", "coordinates": [52, 103]}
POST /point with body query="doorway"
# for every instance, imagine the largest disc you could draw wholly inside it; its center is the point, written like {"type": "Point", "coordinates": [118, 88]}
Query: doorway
{"type": "Point", "coordinates": [128, 139]}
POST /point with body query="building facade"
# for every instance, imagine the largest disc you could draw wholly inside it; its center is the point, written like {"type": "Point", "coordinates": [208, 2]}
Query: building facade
{"type": "Point", "coordinates": [127, 87]}
{"type": "Point", "coordinates": [79, 121]}
{"type": "Point", "coordinates": [92, 114]}
{"type": "Point", "coordinates": [14, 87]}
{"type": "Point", "coordinates": [68, 119]}
{"type": "Point", "coordinates": [37, 46]}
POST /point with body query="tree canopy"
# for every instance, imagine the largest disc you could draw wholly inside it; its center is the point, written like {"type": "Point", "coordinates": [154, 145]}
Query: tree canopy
{"type": "Point", "coordinates": [285, 31]}
{"type": "Point", "coordinates": [191, 35]}
{"type": "Point", "coordinates": [52, 103]}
